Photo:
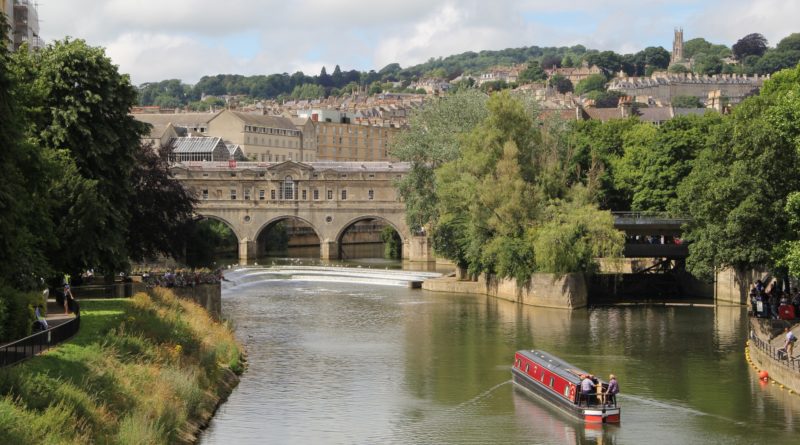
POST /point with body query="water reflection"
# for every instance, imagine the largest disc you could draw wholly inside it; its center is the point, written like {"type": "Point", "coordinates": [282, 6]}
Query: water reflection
{"type": "Point", "coordinates": [342, 362]}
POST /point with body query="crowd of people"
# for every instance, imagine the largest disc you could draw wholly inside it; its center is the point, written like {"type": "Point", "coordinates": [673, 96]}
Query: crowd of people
{"type": "Point", "coordinates": [769, 301]}
{"type": "Point", "coordinates": [181, 278]}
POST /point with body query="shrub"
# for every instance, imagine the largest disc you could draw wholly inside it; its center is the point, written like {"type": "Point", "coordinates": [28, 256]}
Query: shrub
{"type": "Point", "coordinates": [16, 312]}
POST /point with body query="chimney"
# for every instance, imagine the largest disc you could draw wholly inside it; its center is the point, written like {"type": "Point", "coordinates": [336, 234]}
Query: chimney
{"type": "Point", "coordinates": [626, 106]}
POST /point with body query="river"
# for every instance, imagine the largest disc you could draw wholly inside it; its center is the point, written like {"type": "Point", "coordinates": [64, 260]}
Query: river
{"type": "Point", "coordinates": [352, 356]}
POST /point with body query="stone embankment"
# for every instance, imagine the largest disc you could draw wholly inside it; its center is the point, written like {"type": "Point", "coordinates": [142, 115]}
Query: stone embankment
{"type": "Point", "coordinates": [761, 352]}
{"type": "Point", "coordinates": [545, 290]}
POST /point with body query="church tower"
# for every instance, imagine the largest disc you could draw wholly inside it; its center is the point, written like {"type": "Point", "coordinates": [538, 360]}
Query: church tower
{"type": "Point", "coordinates": [677, 46]}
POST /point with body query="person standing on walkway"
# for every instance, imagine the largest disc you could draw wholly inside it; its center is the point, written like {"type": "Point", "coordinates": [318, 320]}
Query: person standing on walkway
{"type": "Point", "coordinates": [788, 346]}
{"type": "Point", "coordinates": [68, 298]}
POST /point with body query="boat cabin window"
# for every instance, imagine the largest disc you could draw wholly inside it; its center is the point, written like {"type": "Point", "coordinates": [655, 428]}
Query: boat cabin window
{"type": "Point", "coordinates": [552, 381]}
{"type": "Point", "coordinates": [527, 367]}
{"type": "Point", "coordinates": [566, 390]}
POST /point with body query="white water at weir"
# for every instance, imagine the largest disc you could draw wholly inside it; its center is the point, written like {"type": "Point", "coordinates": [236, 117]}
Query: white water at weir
{"type": "Point", "coordinates": [330, 274]}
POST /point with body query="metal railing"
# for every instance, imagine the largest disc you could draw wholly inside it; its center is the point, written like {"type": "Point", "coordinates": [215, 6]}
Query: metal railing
{"type": "Point", "coordinates": [34, 344]}
{"type": "Point", "coordinates": [776, 354]}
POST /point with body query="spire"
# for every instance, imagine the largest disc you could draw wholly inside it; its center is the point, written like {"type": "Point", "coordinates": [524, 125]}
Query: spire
{"type": "Point", "coordinates": [677, 46]}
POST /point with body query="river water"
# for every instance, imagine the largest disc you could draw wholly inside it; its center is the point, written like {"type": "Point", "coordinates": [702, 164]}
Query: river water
{"type": "Point", "coordinates": [351, 356]}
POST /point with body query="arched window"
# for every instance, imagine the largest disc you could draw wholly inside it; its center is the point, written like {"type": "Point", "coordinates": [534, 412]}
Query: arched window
{"type": "Point", "coordinates": [288, 188]}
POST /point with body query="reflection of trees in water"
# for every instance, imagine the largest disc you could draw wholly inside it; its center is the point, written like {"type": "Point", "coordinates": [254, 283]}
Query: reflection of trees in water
{"type": "Point", "coordinates": [555, 426]}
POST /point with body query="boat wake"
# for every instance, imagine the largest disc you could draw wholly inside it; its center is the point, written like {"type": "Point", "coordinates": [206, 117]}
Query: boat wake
{"type": "Point", "coordinates": [481, 396]}
{"type": "Point", "coordinates": [677, 407]}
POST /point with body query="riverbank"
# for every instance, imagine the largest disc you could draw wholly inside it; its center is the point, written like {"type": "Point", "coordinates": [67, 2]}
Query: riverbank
{"type": "Point", "coordinates": [543, 290]}
{"type": "Point", "coordinates": [761, 350]}
{"type": "Point", "coordinates": [150, 369]}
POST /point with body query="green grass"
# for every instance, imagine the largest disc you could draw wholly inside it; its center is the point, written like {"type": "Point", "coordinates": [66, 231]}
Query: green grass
{"type": "Point", "coordinates": [140, 371]}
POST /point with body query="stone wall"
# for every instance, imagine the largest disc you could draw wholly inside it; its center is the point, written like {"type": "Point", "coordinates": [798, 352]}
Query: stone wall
{"type": "Point", "coordinates": [545, 290]}
{"type": "Point", "coordinates": [778, 371]}
{"type": "Point", "coordinates": [732, 286]}
{"type": "Point", "coordinates": [207, 295]}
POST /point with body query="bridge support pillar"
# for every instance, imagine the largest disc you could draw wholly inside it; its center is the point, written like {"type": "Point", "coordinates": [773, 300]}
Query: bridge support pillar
{"type": "Point", "coordinates": [419, 249]}
{"type": "Point", "coordinates": [247, 251]}
{"type": "Point", "coordinates": [329, 250]}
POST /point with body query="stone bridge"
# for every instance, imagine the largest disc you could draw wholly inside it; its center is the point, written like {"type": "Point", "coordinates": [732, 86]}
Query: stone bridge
{"type": "Point", "coordinates": [328, 196]}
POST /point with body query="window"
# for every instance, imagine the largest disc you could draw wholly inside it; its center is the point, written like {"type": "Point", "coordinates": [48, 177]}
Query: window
{"type": "Point", "coordinates": [233, 194]}
{"type": "Point", "coordinates": [261, 195]}
{"type": "Point", "coordinates": [566, 391]}
{"type": "Point", "coordinates": [527, 367]}
{"type": "Point", "coordinates": [304, 195]}
{"type": "Point", "coordinates": [272, 195]}
{"type": "Point", "coordinates": [371, 195]}
{"type": "Point", "coordinates": [288, 188]}
{"type": "Point", "coordinates": [246, 194]}
{"type": "Point", "coordinates": [330, 194]}
{"type": "Point", "coordinates": [552, 382]}
{"type": "Point", "coordinates": [344, 195]}
{"type": "Point", "coordinates": [316, 194]}
{"type": "Point", "coordinates": [205, 193]}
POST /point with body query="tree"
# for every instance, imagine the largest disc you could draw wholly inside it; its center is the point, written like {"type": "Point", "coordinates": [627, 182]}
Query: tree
{"type": "Point", "coordinates": [656, 56]}
{"type": "Point", "coordinates": [523, 229]}
{"type": "Point", "coordinates": [160, 207]}
{"type": "Point", "coordinates": [25, 229]}
{"type": "Point", "coordinates": [737, 206]}
{"type": "Point", "coordinates": [707, 64]}
{"type": "Point", "coordinates": [775, 60]}
{"type": "Point", "coordinates": [750, 45]}
{"type": "Point", "coordinates": [701, 45]}
{"type": "Point", "coordinates": [336, 77]}
{"type": "Point", "coordinates": [686, 102]}
{"type": "Point", "coordinates": [609, 61]}
{"type": "Point", "coordinates": [79, 113]}
{"type": "Point", "coordinates": [594, 82]}
{"type": "Point", "coordinates": [431, 139]}
{"type": "Point", "coordinates": [560, 83]}
{"type": "Point", "coordinates": [678, 69]}
{"type": "Point", "coordinates": [533, 73]}
{"type": "Point", "coordinates": [324, 79]}
{"type": "Point", "coordinates": [789, 43]}
{"type": "Point", "coordinates": [551, 61]}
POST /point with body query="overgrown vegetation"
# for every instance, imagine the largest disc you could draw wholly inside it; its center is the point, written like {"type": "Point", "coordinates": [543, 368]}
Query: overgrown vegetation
{"type": "Point", "coordinates": [147, 370]}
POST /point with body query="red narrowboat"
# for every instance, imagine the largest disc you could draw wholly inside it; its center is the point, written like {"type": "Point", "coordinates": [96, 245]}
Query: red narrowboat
{"type": "Point", "coordinates": [559, 383]}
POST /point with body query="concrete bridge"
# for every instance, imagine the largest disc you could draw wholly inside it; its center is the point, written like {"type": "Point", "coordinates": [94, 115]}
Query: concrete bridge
{"type": "Point", "coordinates": [329, 197]}
{"type": "Point", "coordinates": [662, 230]}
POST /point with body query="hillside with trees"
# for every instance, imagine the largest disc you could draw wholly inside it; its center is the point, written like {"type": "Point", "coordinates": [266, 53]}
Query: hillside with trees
{"type": "Point", "coordinates": [749, 55]}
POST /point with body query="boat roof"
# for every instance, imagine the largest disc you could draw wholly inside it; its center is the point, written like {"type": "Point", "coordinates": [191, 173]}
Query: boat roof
{"type": "Point", "coordinates": [555, 364]}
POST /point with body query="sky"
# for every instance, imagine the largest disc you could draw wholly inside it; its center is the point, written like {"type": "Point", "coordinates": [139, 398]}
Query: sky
{"type": "Point", "coordinates": [154, 40]}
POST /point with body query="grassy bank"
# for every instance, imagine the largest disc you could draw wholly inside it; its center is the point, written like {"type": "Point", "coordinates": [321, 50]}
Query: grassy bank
{"type": "Point", "coordinates": [148, 370]}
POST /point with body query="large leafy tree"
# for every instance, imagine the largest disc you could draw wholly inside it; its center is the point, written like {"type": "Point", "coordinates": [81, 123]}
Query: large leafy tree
{"type": "Point", "coordinates": [738, 190]}
{"type": "Point", "coordinates": [750, 45]}
{"type": "Point", "coordinates": [433, 138]}
{"type": "Point", "coordinates": [499, 199]}
{"type": "Point", "coordinates": [78, 107]}
{"type": "Point", "coordinates": [24, 227]}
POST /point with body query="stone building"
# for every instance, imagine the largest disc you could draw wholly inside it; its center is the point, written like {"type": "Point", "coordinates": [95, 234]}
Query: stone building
{"type": "Point", "coordinates": [574, 75]}
{"type": "Point", "coordinates": [353, 142]}
{"type": "Point", "coordinates": [263, 138]}
{"type": "Point", "coordinates": [677, 47]}
{"type": "Point", "coordinates": [661, 87]}
{"type": "Point", "coordinates": [508, 74]}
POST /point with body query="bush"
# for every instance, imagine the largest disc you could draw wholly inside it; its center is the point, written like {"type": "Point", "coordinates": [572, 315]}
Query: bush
{"type": "Point", "coordinates": [16, 312]}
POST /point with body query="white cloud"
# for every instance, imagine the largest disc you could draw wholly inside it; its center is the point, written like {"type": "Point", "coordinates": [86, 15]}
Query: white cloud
{"type": "Point", "coordinates": [186, 39]}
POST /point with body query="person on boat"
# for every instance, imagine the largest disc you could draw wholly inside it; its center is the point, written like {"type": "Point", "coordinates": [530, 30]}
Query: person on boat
{"type": "Point", "coordinates": [587, 389]}
{"type": "Point", "coordinates": [612, 391]}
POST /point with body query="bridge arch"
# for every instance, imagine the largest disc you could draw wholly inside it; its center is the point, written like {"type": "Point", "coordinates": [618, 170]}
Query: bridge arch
{"type": "Point", "coordinates": [288, 235]}
{"type": "Point", "coordinates": [224, 221]}
{"type": "Point", "coordinates": [343, 229]}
